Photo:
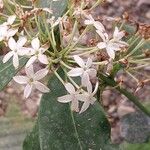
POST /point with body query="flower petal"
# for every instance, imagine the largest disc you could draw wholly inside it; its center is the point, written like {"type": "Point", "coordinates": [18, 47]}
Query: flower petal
{"type": "Point", "coordinates": [41, 87]}
{"type": "Point", "coordinates": [22, 40]}
{"type": "Point", "coordinates": [15, 61]}
{"type": "Point", "coordinates": [21, 79]}
{"type": "Point", "coordinates": [40, 74]}
{"type": "Point", "coordinates": [79, 61]}
{"type": "Point", "coordinates": [65, 99]}
{"type": "Point", "coordinates": [27, 90]}
{"type": "Point", "coordinates": [89, 87]}
{"type": "Point", "coordinates": [70, 88]}
{"type": "Point", "coordinates": [12, 44]}
{"type": "Point", "coordinates": [31, 61]}
{"type": "Point", "coordinates": [82, 97]}
{"type": "Point", "coordinates": [75, 72]}
{"type": "Point", "coordinates": [35, 43]}
{"type": "Point", "coordinates": [99, 26]}
{"type": "Point", "coordinates": [85, 79]}
{"type": "Point", "coordinates": [7, 56]}
{"type": "Point", "coordinates": [43, 59]}
{"type": "Point", "coordinates": [101, 45]}
{"type": "Point", "coordinates": [111, 53]}
{"type": "Point", "coordinates": [75, 105]}
{"type": "Point", "coordinates": [11, 32]}
{"type": "Point", "coordinates": [92, 73]}
{"type": "Point", "coordinates": [85, 106]}
{"type": "Point", "coordinates": [29, 71]}
{"type": "Point", "coordinates": [11, 19]}
{"type": "Point", "coordinates": [89, 63]}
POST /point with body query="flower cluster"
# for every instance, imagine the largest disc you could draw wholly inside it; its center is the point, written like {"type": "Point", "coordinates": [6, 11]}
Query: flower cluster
{"type": "Point", "coordinates": [72, 52]}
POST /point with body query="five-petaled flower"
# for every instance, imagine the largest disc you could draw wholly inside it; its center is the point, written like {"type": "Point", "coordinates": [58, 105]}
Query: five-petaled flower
{"type": "Point", "coordinates": [32, 80]}
{"type": "Point", "coordinates": [85, 70]}
{"type": "Point", "coordinates": [98, 25]}
{"type": "Point", "coordinates": [17, 49]}
{"type": "Point", "coordinates": [112, 45]}
{"type": "Point", "coordinates": [88, 97]}
{"type": "Point", "coordinates": [37, 53]}
{"type": "Point", "coordinates": [71, 97]}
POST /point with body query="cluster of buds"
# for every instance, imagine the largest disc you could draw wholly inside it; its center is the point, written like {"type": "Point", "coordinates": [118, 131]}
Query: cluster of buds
{"type": "Point", "coordinates": [75, 57]}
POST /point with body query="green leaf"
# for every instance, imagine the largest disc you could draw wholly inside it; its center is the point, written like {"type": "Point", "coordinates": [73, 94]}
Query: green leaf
{"type": "Point", "coordinates": [58, 7]}
{"type": "Point", "coordinates": [31, 142]}
{"type": "Point", "coordinates": [60, 128]}
{"type": "Point", "coordinates": [7, 71]}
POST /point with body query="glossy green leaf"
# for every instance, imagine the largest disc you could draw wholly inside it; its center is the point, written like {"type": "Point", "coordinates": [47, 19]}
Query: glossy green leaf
{"type": "Point", "coordinates": [7, 71]}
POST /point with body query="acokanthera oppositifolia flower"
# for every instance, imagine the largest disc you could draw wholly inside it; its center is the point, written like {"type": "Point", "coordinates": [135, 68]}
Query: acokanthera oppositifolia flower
{"type": "Point", "coordinates": [85, 70]}
{"type": "Point", "coordinates": [31, 80]}
{"type": "Point", "coordinates": [98, 25]}
{"type": "Point", "coordinates": [71, 97]}
{"type": "Point", "coordinates": [16, 49]}
{"type": "Point", "coordinates": [112, 45]}
{"type": "Point", "coordinates": [88, 97]}
{"type": "Point", "coordinates": [5, 29]}
{"type": "Point", "coordinates": [37, 53]}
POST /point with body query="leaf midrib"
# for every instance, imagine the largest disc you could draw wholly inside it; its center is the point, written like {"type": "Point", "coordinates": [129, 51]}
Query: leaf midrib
{"type": "Point", "coordinates": [75, 128]}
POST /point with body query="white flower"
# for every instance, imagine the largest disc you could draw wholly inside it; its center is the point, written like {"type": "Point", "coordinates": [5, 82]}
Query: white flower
{"type": "Point", "coordinates": [16, 50]}
{"type": "Point", "coordinates": [99, 26]}
{"type": "Point", "coordinates": [5, 31]}
{"type": "Point", "coordinates": [71, 97]}
{"type": "Point", "coordinates": [32, 80]}
{"type": "Point", "coordinates": [88, 97]}
{"type": "Point", "coordinates": [85, 70]}
{"type": "Point", "coordinates": [111, 45]}
{"type": "Point", "coordinates": [37, 53]}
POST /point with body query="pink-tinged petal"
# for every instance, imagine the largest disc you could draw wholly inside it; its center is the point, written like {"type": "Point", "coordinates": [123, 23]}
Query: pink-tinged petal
{"type": "Point", "coordinates": [101, 45]}
{"type": "Point", "coordinates": [29, 71]}
{"type": "Point", "coordinates": [82, 97]}
{"type": "Point", "coordinates": [93, 100]}
{"type": "Point", "coordinates": [89, 63]}
{"type": "Point", "coordinates": [12, 44]}
{"type": "Point", "coordinates": [35, 43]}
{"type": "Point", "coordinates": [75, 72]}
{"type": "Point", "coordinates": [79, 61]}
{"type": "Point", "coordinates": [15, 61]}
{"type": "Point", "coordinates": [70, 88]}
{"type": "Point", "coordinates": [92, 73]}
{"type": "Point", "coordinates": [111, 53]}
{"type": "Point", "coordinates": [85, 79]}
{"type": "Point", "coordinates": [11, 32]}
{"type": "Point", "coordinates": [75, 105]}
{"type": "Point", "coordinates": [43, 59]}
{"type": "Point", "coordinates": [65, 99]}
{"type": "Point", "coordinates": [22, 40]}
{"type": "Point", "coordinates": [40, 74]}
{"type": "Point", "coordinates": [31, 61]}
{"type": "Point", "coordinates": [23, 51]}
{"type": "Point", "coordinates": [99, 26]}
{"type": "Point", "coordinates": [118, 35]}
{"type": "Point", "coordinates": [102, 35]}
{"type": "Point", "coordinates": [84, 107]}
{"type": "Point", "coordinates": [7, 57]}
{"type": "Point", "coordinates": [21, 79]}
{"type": "Point", "coordinates": [11, 19]}
{"type": "Point", "coordinates": [96, 88]}
{"type": "Point", "coordinates": [27, 90]}
{"type": "Point", "coordinates": [41, 87]}
{"type": "Point", "coordinates": [89, 87]}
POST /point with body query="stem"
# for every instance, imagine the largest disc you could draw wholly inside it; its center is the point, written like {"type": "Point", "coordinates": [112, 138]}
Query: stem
{"type": "Point", "coordinates": [129, 95]}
